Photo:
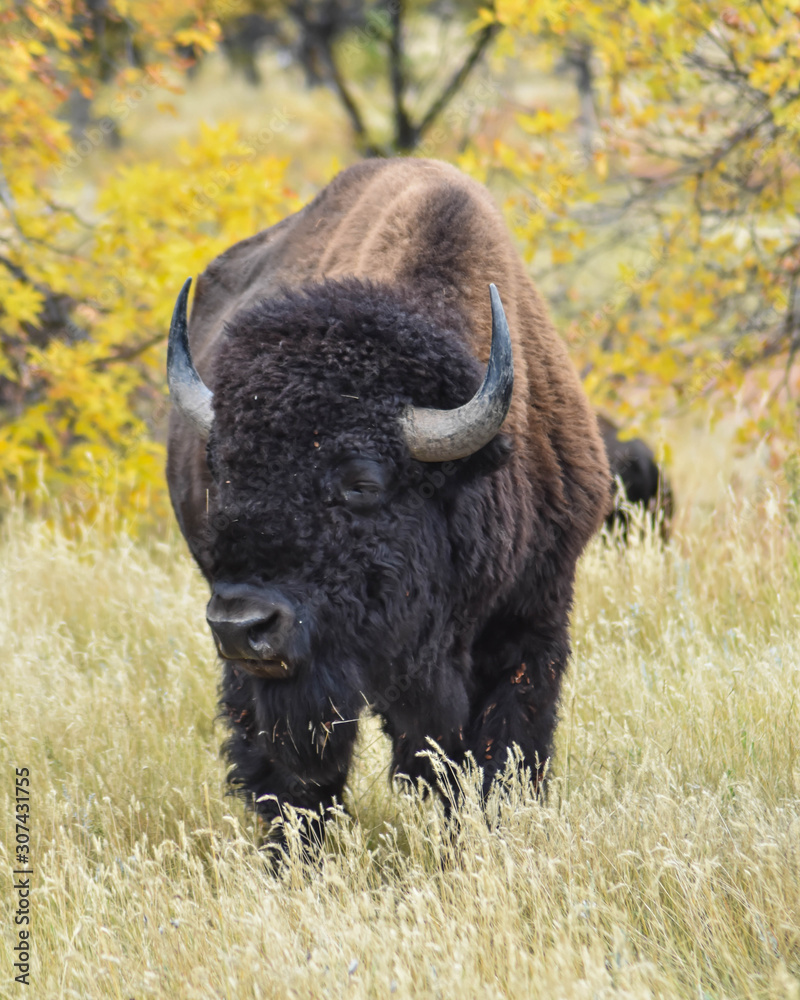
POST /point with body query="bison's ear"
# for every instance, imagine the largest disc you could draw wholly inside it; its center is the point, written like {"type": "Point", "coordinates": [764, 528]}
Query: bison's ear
{"type": "Point", "coordinates": [492, 456]}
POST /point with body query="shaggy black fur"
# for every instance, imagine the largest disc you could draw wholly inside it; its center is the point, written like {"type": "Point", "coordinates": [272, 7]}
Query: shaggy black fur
{"type": "Point", "coordinates": [443, 606]}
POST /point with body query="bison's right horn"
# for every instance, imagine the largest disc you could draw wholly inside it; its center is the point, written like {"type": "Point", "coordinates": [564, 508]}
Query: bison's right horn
{"type": "Point", "coordinates": [445, 435]}
{"type": "Point", "coordinates": [187, 389]}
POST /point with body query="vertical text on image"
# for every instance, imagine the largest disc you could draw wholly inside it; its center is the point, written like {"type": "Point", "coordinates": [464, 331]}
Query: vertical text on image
{"type": "Point", "coordinates": [23, 872]}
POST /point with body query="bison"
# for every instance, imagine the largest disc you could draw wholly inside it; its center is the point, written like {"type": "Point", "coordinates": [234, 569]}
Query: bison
{"type": "Point", "coordinates": [383, 523]}
{"type": "Point", "coordinates": [644, 484]}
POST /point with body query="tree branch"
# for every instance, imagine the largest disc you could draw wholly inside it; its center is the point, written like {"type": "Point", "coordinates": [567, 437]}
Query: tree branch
{"type": "Point", "coordinates": [405, 137]}
{"type": "Point", "coordinates": [450, 90]}
{"type": "Point", "coordinates": [345, 97]}
{"type": "Point", "coordinates": [17, 271]}
{"type": "Point", "coordinates": [128, 353]}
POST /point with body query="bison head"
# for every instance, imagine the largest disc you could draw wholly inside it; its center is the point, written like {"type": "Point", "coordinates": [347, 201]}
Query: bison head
{"type": "Point", "coordinates": [350, 438]}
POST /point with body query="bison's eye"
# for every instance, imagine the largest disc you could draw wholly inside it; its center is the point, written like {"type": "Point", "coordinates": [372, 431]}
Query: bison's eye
{"type": "Point", "coordinates": [360, 483]}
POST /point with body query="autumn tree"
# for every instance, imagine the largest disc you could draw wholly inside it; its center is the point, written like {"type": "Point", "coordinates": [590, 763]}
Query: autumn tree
{"type": "Point", "coordinates": [689, 159]}
{"type": "Point", "coordinates": [362, 51]}
{"type": "Point", "coordinates": [86, 294]}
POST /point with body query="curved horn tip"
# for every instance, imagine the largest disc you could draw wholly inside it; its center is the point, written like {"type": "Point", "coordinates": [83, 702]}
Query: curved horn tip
{"type": "Point", "coordinates": [446, 435]}
{"type": "Point", "coordinates": [183, 294]}
{"type": "Point", "coordinates": [501, 362]}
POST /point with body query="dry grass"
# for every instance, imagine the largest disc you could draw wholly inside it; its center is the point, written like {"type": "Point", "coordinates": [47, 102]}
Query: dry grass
{"type": "Point", "coordinates": [665, 861]}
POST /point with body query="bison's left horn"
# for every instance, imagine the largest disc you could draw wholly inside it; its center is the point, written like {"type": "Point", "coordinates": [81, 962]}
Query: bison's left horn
{"type": "Point", "coordinates": [444, 435]}
{"type": "Point", "coordinates": [187, 389]}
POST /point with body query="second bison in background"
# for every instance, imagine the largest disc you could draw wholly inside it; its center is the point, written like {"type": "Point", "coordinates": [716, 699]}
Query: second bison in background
{"type": "Point", "coordinates": [644, 484]}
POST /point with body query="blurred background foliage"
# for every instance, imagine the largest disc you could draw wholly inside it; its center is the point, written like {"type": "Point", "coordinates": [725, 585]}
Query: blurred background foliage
{"type": "Point", "coordinates": [646, 155]}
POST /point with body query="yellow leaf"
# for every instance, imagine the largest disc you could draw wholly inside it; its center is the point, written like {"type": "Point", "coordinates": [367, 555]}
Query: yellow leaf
{"type": "Point", "coordinates": [22, 302]}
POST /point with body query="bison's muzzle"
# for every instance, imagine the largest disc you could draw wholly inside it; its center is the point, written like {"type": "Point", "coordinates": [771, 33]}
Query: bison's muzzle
{"type": "Point", "coordinates": [254, 626]}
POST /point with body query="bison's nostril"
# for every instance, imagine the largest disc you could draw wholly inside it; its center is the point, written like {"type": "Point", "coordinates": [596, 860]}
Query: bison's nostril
{"type": "Point", "coordinates": [250, 623]}
{"type": "Point", "coordinates": [264, 636]}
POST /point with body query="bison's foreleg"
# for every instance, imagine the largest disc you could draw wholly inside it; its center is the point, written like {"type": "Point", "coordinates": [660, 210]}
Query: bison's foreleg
{"type": "Point", "coordinates": [519, 710]}
{"type": "Point", "coordinates": [413, 759]}
{"type": "Point", "coordinates": [423, 704]}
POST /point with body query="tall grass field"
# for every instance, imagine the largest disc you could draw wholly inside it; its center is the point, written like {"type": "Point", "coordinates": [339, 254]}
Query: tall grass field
{"type": "Point", "coordinates": [664, 861]}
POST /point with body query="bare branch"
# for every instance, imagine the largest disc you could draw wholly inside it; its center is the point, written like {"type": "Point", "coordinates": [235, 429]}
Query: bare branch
{"type": "Point", "coordinates": [128, 353]}
{"type": "Point", "coordinates": [16, 270]}
{"type": "Point", "coordinates": [345, 97]}
{"type": "Point", "coordinates": [405, 137]}
{"type": "Point", "coordinates": [450, 90]}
